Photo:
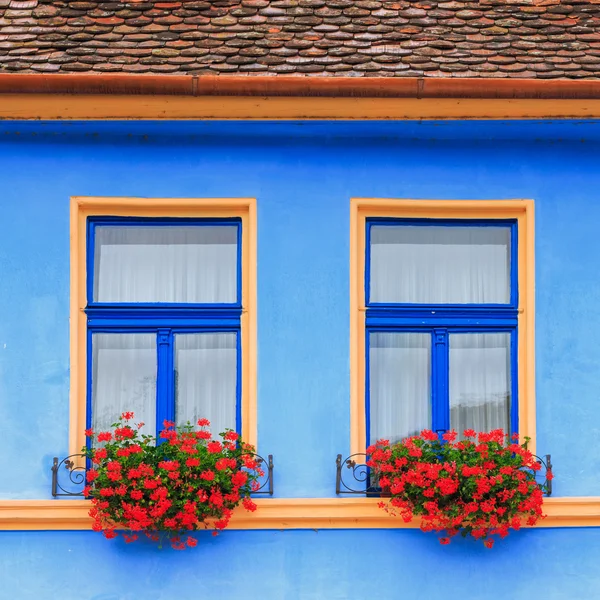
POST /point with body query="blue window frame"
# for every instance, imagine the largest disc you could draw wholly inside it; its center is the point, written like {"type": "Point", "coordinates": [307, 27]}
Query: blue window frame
{"type": "Point", "coordinates": [150, 283]}
{"type": "Point", "coordinates": [441, 325]}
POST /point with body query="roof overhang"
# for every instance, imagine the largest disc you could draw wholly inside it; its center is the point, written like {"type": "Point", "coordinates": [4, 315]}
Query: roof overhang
{"type": "Point", "coordinates": [90, 96]}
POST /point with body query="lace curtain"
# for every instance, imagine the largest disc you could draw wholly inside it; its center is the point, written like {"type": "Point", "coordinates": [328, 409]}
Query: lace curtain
{"type": "Point", "coordinates": [166, 264]}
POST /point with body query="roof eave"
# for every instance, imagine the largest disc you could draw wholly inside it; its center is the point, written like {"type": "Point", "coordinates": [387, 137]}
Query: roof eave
{"type": "Point", "coordinates": [296, 86]}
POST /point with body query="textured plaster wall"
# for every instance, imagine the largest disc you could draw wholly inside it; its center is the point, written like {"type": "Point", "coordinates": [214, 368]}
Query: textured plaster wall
{"type": "Point", "coordinates": [303, 176]}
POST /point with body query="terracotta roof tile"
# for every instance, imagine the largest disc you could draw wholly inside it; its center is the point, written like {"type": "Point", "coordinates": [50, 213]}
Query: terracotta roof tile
{"type": "Point", "coordinates": [407, 38]}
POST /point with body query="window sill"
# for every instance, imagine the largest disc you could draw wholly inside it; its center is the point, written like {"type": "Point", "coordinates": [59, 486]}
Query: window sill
{"type": "Point", "coordinates": [281, 513]}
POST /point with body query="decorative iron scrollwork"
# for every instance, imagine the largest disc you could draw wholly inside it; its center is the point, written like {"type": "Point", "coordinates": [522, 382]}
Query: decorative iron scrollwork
{"type": "Point", "coordinates": [360, 481]}
{"type": "Point", "coordinates": [73, 482]}
{"type": "Point", "coordinates": [266, 481]}
{"type": "Point", "coordinates": [545, 472]}
{"type": "Point", "coordinates": [357, 476]}
{"type": "Point", "coordinates": [73, 469]}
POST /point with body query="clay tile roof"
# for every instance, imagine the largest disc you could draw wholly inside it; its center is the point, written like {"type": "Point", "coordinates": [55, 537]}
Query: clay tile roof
{"type": "Point", "coordinates": [376, 38]}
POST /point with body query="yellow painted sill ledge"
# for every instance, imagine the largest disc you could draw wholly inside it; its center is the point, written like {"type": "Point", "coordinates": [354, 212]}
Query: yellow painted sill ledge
{"type": "Point", "coordinates": [281, 513]}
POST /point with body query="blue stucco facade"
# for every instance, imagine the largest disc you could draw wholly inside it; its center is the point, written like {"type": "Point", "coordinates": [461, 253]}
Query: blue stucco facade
{"type": "Point", "coordinates": [303, 176]}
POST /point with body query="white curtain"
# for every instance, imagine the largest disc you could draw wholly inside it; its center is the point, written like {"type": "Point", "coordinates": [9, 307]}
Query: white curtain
{"type": "Point", "coordinates": [183, 264]}
{"type": "Point", "coordinates": [206, 367]}
{"type": "Point", "coordinates": [400, 384]}
{"type": "Point", "coordinates": [480, 381]}
{"type": "Point", "coordinates": [124, 379]}
{"type": "Point", "coordinates": [440, 265]}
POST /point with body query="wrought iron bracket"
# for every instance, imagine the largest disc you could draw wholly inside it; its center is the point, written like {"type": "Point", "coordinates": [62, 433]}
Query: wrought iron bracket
{"type": "Point", "coordinates": [73, 484]}
{"type": "Point", "coordinates": [357, 476]}
{"type": "Point", "coordinates": [359, 481]}
{"type": "Point", "coordinates": [546, 464]}
{"type": "Point", "coordinates": [266, 482]}
{"type": "Point", "coordinates": [72, 468]}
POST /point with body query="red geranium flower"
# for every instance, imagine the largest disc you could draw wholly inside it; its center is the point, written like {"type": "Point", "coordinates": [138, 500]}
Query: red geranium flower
{"type": "Point", "coordinates": [100, 454]}
{"type": "Point", "coordinates": [91, 475]}
{"type": "Point", "coordinates": [214, 447]}
{"type": "Point", "coordinates": [449, 436]}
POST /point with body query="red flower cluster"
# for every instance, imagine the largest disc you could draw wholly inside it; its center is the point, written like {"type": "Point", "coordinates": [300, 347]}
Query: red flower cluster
{"type": "Point", "coordinates": [138, 484]}
{"type": "Point", "coordinates": [481, 486]}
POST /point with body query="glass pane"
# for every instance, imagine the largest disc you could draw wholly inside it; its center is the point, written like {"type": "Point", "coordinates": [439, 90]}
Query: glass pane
{"type": "Point", "coordinates": [206, 379]}
{"type": "Point", "coordinates": [400, 384]}
{"type": "Point", "coordinates": [480, 381]}
{"type": "Point", "coordinates": [124, 379]}
{"type": "Point", "coordinates": [186, 264]}
{"type": "Point", "coordinates": [440, 264]}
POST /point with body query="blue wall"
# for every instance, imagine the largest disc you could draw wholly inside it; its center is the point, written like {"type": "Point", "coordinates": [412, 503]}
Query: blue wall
{"type": "Point", "coordinates": [302, 565]}
{"type": "Point", "coordinates": [303, 176]}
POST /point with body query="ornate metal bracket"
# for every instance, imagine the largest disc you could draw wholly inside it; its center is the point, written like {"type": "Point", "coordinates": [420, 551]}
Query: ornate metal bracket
{"type": "Point", "coordinates": [358, 476]}
{"type": "Point", "coordinates": [266, 482]}
{"type": "Point", "coordinates": [73, 484]}
{"type": "Point", "coordinates": [359, 481]}
{"type": "Point", "coordinates": [546, 464]}
{"type": "Point", "coordinates": [73, 481]}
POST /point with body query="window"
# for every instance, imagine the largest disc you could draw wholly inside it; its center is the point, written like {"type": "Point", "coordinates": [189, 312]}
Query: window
{"type": "Point", "coordinates": [167, 324]}
{"type": "Point", "coordinates": [163, 321]}
{"type": "Point", "coordinates": [442, 318]}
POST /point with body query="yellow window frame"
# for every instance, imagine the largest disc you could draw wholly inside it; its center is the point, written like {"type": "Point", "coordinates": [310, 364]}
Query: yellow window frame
{"type": "Point", "coordinates": [520, 210]}
{"type": "Point", "coordinates": [84, 207]}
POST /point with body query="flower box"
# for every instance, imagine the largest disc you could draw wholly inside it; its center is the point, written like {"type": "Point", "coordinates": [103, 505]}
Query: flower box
{"type": "Point", "coordinates": [170, 485]}
{"type": "Point", "coordinates": [482, 486]}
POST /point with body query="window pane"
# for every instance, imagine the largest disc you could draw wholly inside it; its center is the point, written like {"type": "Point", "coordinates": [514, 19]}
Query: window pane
{"type": "Point", "coordinates": [124, 379]}
{"type": "Point", "coordinates": [187, 264]}
{"type": "Point", "coordinates": [206, 379]}
{"type": "Point", "coordinates": [480, 381]}
{"type": "Point", "coordinates": [400, 384]}
{"type": "Point", "coordinates": [440, 264]}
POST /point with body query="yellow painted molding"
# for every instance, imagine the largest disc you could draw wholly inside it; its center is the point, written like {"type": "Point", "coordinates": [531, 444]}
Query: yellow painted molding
{"type": "Point", "coordinates": [281, 513]}
{"type": "Point", "coordinates": [84, 207]}
{"type": "Point", "coordinates": [522, 211]}
{"type": "Point", "coordinates": [172, 107]}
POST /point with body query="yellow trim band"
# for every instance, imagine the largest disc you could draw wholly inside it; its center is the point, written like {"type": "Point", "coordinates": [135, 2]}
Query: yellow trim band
{"type": "Point", "coordinates": [84, 207]}
{"type": "Point", "coordinates": [280, 513]}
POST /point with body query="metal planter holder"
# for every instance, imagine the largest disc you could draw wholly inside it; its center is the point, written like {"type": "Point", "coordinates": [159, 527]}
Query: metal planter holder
{"type": "Point", "coordinates": [358, 480]}
{"type": "Point", "coordinates": [73, 468]}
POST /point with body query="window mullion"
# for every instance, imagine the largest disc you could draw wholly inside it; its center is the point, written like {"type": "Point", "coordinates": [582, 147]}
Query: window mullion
{"type": "Point", "coordinates": [440, 420]}
{"type": "Point", "coordinates": [165, 402]}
